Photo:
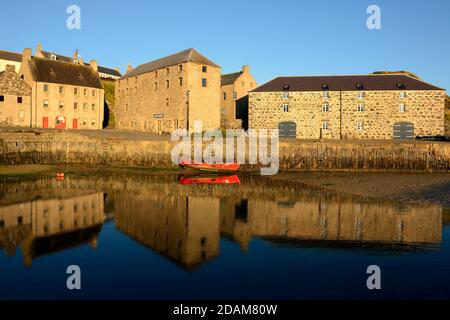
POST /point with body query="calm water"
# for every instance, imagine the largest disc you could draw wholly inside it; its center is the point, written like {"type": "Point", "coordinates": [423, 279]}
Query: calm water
{"type": "Point", "coordinates": [148, 236]}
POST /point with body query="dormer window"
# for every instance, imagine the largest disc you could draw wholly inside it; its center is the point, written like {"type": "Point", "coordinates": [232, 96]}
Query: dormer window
{"type": "Point", "coordinates": [401, 86]}
{"type": "Point", "coordinates": [286, 87]}
{"type": "Point", "coordinates": [53, 57]}
{"type": "Point", "coordinates": [76, 62]}
{"type": "Point", "coordinates": [359, 86]}
{"type": "Point", "coordinates": [325, 87]}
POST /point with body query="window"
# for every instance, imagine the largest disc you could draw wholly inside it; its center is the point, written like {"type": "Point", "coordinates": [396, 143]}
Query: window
{"type": "Point", "coordinates": [93, 122]}
{"type": "Point", "coordinates": [402, 107]}
{"type": "Point", "coordinates": [224, 96]}
{"type": "Point", "coordinates": [53, 57]}
{"type": "Point", "coordinates": [360, 107]}
{"type": "Point", "coordinates": [234, 95]}
{"type": "Point", "coordinates": [75, 106]}
{"type": "Point", "coordinates": [46, 88]}
{"type": "Point", "coordinates": [286, 87]}
{"type": "Point", "coordinates": [285, 107]}
{"type": "Point", "coordinates": [325, 125]}
{"type": "Point", "coordinates": [167, 70]}
{"type": "Point", "coordinates": [75, 91]}
{"type": "Point", "coordinates": [156, 74]}
{"type": "Point", "coordinates": [167, 102]}
{"type": "Point", "coordinates": [402, 95]}
{"type": "Point", "coordinates": [167, 84]}
{"type": "Point", "coordinates": [21, 115]}
{"type": "Point", "coordinates": [204, 82]}
{"type": "Point", "coordinates": [84, 124]}
{"type": "Point", "coordinates": [180, 67]}
{"type": "Point", "coordinates": [93, 107]}
{"type": "Point", "coordinates": [326, 94]}
{"type": "Point", "coordinates": [85, 92]}
{"type": "Point", "coordinates": [19, 99]}
{"type": "Point", "coordinates": [61, 104]}
{"type": "Point", "coordinates": [359, 126]}
{"type": "Point", "coordinates": [361, 95]}
{"type": "Point", "coordinates": [2, 98]}
{"type": "Point", "coordinates": [325, 107]}
{"type": "Point", "coordinates": [93, 92]}
{"type": "Point", "coordinates": [285, 95]}
{"type": "Point", "coordinates": [85, 106]}
{"type": "Point", "coordinates": [204, 69]}
{"type": "Point", "coordinates": [180, 80]}
{"type": "Point", "coordinates": [61, 90]}
{"type": "Point", "coordinates": [46, 104]}
{"type": "Point", "coordinates": [156, 86]}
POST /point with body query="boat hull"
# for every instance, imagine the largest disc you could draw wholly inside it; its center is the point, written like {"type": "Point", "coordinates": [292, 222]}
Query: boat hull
{"type": "Point", "coordinates": [206, 167]}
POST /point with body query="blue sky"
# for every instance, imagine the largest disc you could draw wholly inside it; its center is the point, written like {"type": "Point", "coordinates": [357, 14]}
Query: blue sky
{"type": "Point", "coordinates": [274, 37]}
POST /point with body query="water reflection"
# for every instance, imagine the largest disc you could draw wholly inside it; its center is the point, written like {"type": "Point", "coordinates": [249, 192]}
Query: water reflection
{"type": "Point", "coordinates": [185, 223]}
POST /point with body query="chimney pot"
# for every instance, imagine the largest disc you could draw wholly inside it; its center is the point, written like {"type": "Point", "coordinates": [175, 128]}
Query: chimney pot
{"type": "Point", "coordinates": [129, 67]}
{"type": "Point", "coordinates": [39, 52]}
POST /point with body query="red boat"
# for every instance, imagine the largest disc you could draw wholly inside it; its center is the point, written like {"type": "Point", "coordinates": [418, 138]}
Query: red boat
{"type": "Point", "coordinates": [210, 180]}
{"type": "Point", "coordinates": [224, 167]}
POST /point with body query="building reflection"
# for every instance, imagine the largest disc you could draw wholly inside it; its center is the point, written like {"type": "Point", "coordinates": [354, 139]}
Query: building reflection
{"type": "Point", "coordinates": [43, 227]}
{"type": "Point", "coordinates": [184, 229]}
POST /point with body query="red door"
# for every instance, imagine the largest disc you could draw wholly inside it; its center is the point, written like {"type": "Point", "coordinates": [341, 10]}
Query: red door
{"type": "Point", "coordinates": [45, 122]}
{"type": "Point", "coordinates": [60, 122]}
{"type": "Point", "coordinates": [75, 124]}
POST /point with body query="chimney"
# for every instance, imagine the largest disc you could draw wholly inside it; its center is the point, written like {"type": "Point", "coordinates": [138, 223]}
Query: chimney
{"type": "Point", "coordinates": [117, 69]}
{"type": "Point", "coordinates": [39, 53]}
{"type": "Point", "coordinates": [129, 67]}
{"type": "Point", "coordinates": [81, 61]}
{"type": "Point", "coordinates": [94, 65]}
{"type": "Point", "coordinates": [245, 69]}
{"type": "Point", "coordinates": [10, 68]}
{"type": "Point", "coordinates": [75, 56]}
{"type": "Point", "coordinates": [26, 55]}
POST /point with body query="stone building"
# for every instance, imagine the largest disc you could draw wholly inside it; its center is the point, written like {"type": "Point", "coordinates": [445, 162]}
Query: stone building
{"type": "Point", "coordinates": [169, 93]}
{"type": "Point", "coordinates": [65, 95]}
{"type": "Point", "coordinates": [15, 99]}
{"type": "Point", "coordinates": [234, 86]}
{"type": "Point", "coordinates": [15, 59]}
{"type": "Point", "coordinates": [348, 107]}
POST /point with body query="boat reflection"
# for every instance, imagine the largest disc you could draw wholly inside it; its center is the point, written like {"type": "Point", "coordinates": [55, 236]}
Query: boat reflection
{"type": "Point", "coordinates": [210, 179]}
{"type": "Point", "coordinates": [186, 223]}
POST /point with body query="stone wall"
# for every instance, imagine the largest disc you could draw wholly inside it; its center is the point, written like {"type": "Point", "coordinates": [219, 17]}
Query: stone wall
{"type": "Point", "coordinates": [72, 148]}
{"type": "Point", "coordinates": [424, 109]}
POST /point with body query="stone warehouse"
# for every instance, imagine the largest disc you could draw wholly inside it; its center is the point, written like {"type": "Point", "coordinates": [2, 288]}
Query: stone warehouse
{"type": "Point", "coordinates": [65, 95]}
{"type": "Point", "coordinates": [169, 93]}
{"type": "Point", "coordinates": [15, 99]}
{"type": "Point", "coordinates": [234, 87]}
{"type": "Point", "coordinates": [348, 107]}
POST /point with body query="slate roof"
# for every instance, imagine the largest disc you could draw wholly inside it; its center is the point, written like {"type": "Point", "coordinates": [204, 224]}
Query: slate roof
{"type": "Point", "coordinates": [54, 71]}
{"type": "Point", "coordinates": [230, 78]}
{"type": "Point", "coordinates": [11, 56]}
{"type": "Point", "coordinates": [188, 55]}
{"type": "Point", "coordinates": [345, 83]}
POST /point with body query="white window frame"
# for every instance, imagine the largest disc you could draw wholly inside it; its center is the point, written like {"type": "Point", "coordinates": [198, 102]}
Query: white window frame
{"type": "Point", "coordinates": [285, 107]}
{"type": "Point", "coordinates": [285, 95]}
{"type": "Point", "coordinates": [361, 95]}
{"type": "Point", "coordinates": [326, 94]}
{"type": "Point", "coordinates": [361, 107]}
{"type": "Point", "coordinates": [45, 104]}
{"type": "Point", "coordinates": [325, 107]}
{"type": "Point", "coordinates": [402, 108]}
{"type": "Point", "coordinates": [403, 95]}
{"type": "Point", "coordinates": [360, 126]}
{"type": "Point", "coordinates": [325, 126]}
